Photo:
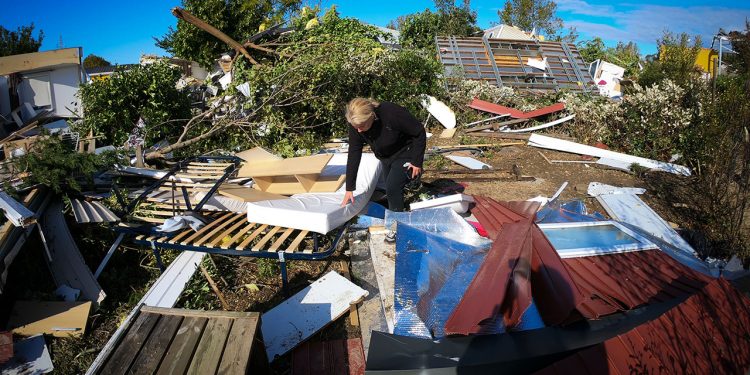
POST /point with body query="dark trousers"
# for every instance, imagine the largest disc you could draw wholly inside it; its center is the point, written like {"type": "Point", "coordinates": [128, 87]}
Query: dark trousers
{"type": "Point", "coordinates": [396, 178]}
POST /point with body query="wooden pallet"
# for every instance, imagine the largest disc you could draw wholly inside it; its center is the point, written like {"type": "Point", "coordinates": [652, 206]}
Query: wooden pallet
{"type": "Point", "coordinates": [229, 230]}
{"type": "Point", "coordinates": [177, 341]}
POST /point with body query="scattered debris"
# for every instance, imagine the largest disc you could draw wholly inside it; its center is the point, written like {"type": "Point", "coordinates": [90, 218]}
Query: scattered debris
{"type": "Point", "coordinates": [17, 213]}
{"type": "Point", "coordinates": [30, 357]}
{"type": "Point", "coordinates": [329, 357]}
{"type": "Point", "coordinates": [516, 114]}
{"type": "Point", "coordinates": [92, 212]}
{"type": "Point", "coordinates": [59, 319]}
{"type": "Point", "coordinates": [468, 162]}
{"type": "Point", "coordinates": [457, 202]}
{"type": "Point", "coordinates": [294, 320]}
{"type": "Point", "coordinates": [542, 141]}
{"type": "Point", "coordinates": [6, 346]}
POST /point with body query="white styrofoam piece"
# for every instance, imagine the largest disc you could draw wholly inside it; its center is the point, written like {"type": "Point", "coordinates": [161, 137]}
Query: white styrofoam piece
{"type": "Point", "coordinates": [468, 162]}
{"type": "Point", "coordinates": [30, 356]}
{"type": "Point", "coordinates": [440, 111]}
{"type": "Point", "coordinates": [542, 126]}
{"type": "Point", "coordinates": [457, 202]}
{"type": "Point", "coordinates": [299, 317]}
{"type": "Point", "coordinates": [598, 188]}
{"type": "Point", "coordinates": [320, 212]}
{"type": "Point", "coordinates": [542, 141]}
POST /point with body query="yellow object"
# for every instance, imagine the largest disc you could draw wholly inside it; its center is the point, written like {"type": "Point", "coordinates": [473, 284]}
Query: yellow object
{"type": "Point", "coordinates": [707, 60]}
{"type": "Point", "coordinates": [312, 23]}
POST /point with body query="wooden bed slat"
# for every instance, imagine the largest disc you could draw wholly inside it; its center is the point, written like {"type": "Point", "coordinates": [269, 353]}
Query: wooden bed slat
{"type": "Point", "coordinates": [207, 228]}
{"type": "Point", "coordinates": [218, 228]}
{"type": "Point", "coordinates": [252, 237]}
{"type": "Point", "coordinates": [265, 239]}
{"type": "Point", "coordinates": [237, 236]}
{"type": "Point", "coordinates": [275, 246]}
{"type": "Point", "coordinates": [226, 233]}
{"type": "Point", "coordinates": [301, 236]}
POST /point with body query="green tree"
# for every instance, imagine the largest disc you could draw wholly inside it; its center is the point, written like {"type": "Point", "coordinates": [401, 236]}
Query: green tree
{"type": "Point", "coordinates": [739, 62]}
{"type": "Point", "coordinates": [626, 55]}
{"type": "Point", "coordinates": [113, 106]}
{"type": "Point", "coordinates": [536, 15]}
{"type": "Point", "coordinates": [239, 19]}
{"type": "Point", "coordinates": [20, 41]}
{"type": "Point", "coordinates": [592, 50]}
{"type": "Point", "coordinates": [94, 61]}
{"type": "Point", "coordinates": [418, 30]}
{"type": "Point", "coordinates": [676, 61]}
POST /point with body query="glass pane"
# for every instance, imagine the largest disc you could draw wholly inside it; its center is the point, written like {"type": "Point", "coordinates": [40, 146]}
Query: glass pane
{"type": "Point", "coordinates": [602, 236]}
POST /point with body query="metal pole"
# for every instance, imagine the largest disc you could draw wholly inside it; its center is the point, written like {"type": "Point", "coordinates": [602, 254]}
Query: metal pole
{"type": "Point", "coordinates": [718, 69]}
{"type": "Point", "coordinates": [109, 255]}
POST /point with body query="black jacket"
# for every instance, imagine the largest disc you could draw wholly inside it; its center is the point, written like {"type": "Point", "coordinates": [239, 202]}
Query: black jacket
{"type": "Point", "coordinates": [394, 134]}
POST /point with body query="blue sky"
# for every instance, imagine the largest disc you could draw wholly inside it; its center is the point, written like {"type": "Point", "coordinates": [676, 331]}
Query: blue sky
{"type": "Point", "coordinates": [121, 31]}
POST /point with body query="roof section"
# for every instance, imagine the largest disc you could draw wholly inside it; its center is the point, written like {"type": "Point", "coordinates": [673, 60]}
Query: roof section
{"type": "Point", "coordinates": [709, 333]}
{"type": "Point", "coordinates": [503, 31]}
{"type": "Point", "coordinates": [39, 60]}
{"type": "Point", "coordinates": [522, 263]}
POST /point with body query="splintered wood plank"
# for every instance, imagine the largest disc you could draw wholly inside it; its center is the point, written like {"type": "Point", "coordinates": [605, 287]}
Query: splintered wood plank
{"type": "Point", "coordinates": [211, 346]}
{"type": "Point", "coordinates": [265, 238]}
{"type": "Point", "coordinates": [252, 237]}
{"type": "Point", "coordinates": [227, 233]}
{"type": "Point", "coordinates": [297, 240]}
{"type": "Point", "coordinates": [182, 349]}
{"type": "Point", "coordinates": [119, 362]}
{"type": "Point", "coordinates": [223, 225]}
{"type": "Point", "coordinates": [206, 228]}
{"type": "Point", "coordinates": [239, 346]}
{"type": "Point", "coordinates": [275, 246]}
{"type": "Point", "coordinates": [236, 237]}
{"type": "Point", "coordinates": [156, 346]}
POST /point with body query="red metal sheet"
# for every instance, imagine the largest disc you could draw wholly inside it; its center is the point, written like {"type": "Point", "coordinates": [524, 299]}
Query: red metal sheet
{"type": "Point", "coordinates": [6, 346]}
{"type": "Point", "coordinates": [702, 335]}
{"type": "Point", "coordinates": [501, 285]}
{"type": "Point", "coordinates": [502, 110]}
{"type": "Point", "coordinates": [356, 354]}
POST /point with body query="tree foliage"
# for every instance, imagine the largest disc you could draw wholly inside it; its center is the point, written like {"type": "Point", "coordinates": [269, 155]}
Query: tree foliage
{"type": "Point", "coordinates": [676, 61]}
{"type": "Point", "coordinates": [626, 55]}
{"type": "Point", "coordinates": [113, 106]}
{"type": "Point", "coordinates": [239, 19]}
{"type": "Point", "coordinates": [418, 30]}
{"type": "Point", "coordinates": [56, 164]}
{"type": "Point", "coordinates": [739, 62]}
{"type": "Point", "coordinates": [536, 15]}
{"type": "Point", "coordinates": [94, 61]}
{"type": "Point", "coordinates": [297, 101]}
{"type": "Point", "coordinates": [20, 41]}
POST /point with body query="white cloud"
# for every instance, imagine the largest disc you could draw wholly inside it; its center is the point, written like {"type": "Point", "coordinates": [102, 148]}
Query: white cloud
{"type": "Point", "coordinates": [646, 23]}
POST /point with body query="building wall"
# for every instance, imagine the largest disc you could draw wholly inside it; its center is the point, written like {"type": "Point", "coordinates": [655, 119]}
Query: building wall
{"type": "Point", "coordinates": [62, 85]}
{"type": "Point", "coordinates": [706, 60]}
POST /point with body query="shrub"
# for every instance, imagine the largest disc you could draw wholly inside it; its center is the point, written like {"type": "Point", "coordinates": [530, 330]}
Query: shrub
{"type": "Point", "coordinates": [113, 106]}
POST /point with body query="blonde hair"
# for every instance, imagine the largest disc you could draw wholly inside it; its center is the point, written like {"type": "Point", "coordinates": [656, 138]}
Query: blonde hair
{"type": "Point", "coordinates": [360, 110]}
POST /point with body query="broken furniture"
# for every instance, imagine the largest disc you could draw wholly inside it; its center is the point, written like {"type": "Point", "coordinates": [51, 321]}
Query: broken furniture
{"type": "Point", "coordinates": [293, 175]}
{"type": "Point", "coordinates": [178, 341]}
{"type": "Point", "coordinates": [56, 318]}
{"type": "Point", "coordinates": [516, 63]}
{"type": "Point", "coordinates": [224, 232]}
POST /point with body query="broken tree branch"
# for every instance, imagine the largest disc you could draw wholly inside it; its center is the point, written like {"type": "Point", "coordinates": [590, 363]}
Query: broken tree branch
{"type": "Point", "coordinates": [197, 22]}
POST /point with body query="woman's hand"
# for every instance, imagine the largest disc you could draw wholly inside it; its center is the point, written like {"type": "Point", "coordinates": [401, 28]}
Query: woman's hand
{"type": "Point", "coordinates": [348, 198]}
{"type": "Point", "coordinates": [415, 171]}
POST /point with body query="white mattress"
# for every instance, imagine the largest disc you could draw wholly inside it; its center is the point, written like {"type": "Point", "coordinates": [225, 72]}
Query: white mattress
{"type": "Point", "coordinates": [320, 212]}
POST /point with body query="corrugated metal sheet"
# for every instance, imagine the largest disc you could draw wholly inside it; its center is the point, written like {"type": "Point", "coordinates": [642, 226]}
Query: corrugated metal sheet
{"type": "Point", "coordinates": [502, 110]}
{"type": "Point", "coordinates": [92, 212]}
{"type": "Point", "coordinates": [523, 263]}
{"type": "Point", "coordinates": [502, 284]}
{"type": "Point", "coordinates": [709, 333]}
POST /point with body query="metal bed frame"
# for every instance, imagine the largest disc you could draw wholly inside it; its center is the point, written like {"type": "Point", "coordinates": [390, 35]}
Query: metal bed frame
{"type": "Point", "coordinates": [226, 233]}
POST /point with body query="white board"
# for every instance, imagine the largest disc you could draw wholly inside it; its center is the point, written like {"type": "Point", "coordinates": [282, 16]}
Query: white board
{"type": "Point", "coordinates": [440, 111]}
{"type": "Point", "coordinates": [468, 162]}
{"type": "Point", "coordinates": [305, 313]}
{"type": "Point", "coordinates": [169, 286]}
{"type": "Point", "coordinates": [551, 143]}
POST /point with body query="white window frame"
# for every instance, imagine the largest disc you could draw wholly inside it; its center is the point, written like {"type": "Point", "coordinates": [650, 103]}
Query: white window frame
{"type": "Point", "coordinates": [643, 242]}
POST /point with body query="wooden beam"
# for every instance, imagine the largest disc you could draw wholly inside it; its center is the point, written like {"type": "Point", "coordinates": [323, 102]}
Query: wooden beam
{"type": "Point", "coordinates": [197, 22]}
{"type": "Point", "coordinates": [39, 60]}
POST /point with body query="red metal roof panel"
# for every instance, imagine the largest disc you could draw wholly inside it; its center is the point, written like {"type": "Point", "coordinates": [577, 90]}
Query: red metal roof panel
{"type": "Point", "coordinates": [706, 334]}
{"type": "Point", "coordinates": [502, 110]}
